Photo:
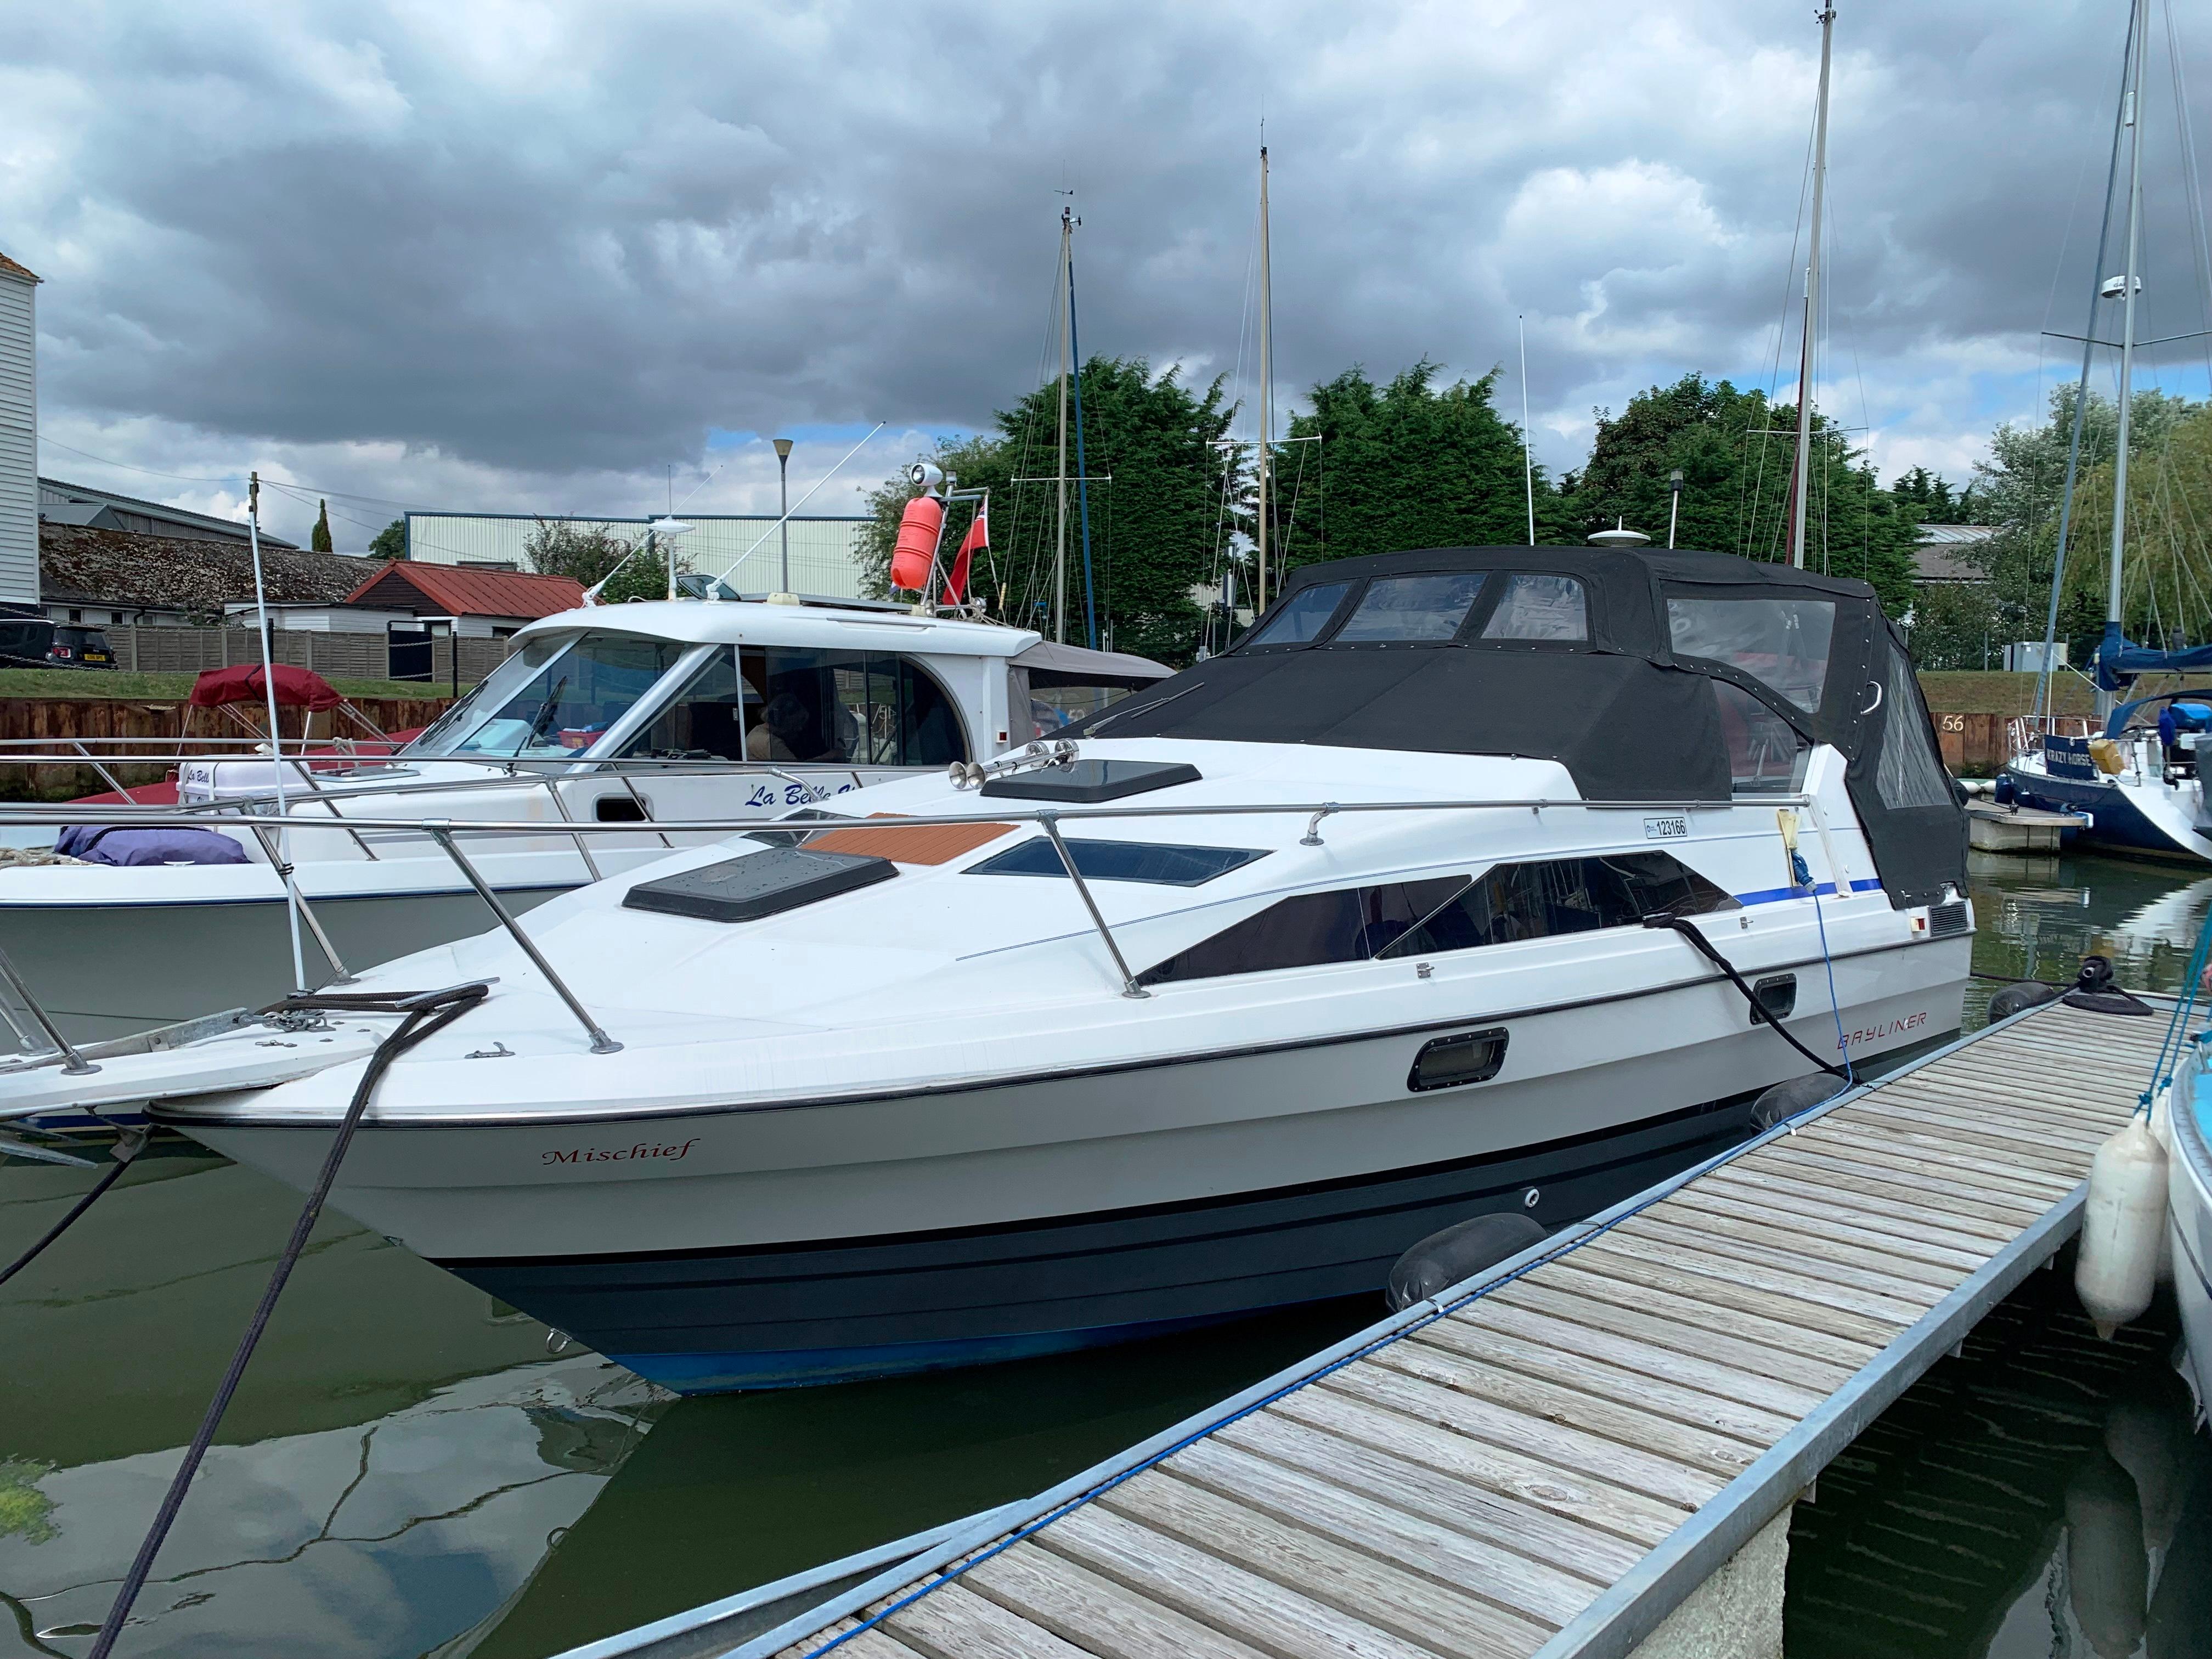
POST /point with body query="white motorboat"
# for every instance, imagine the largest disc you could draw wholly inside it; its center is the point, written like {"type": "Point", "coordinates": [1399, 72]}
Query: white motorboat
{"type": "Point", "coordinates": [2189, 1212]}
{"type": "Point", "coordinates": [627, 712]}
{"type": "Point", "coordinates": [1362, 928]}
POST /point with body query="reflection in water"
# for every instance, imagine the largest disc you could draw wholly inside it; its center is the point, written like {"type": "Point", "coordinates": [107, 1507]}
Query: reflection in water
{"type": "Point", "coordinates": [2044, 1495]}
{"type": "Point", "coordinates": [405, 1473]}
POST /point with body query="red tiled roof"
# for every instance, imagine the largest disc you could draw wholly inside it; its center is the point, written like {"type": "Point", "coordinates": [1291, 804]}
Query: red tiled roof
{"type": "Point", "coordinates": [442, 590]}
{"type": "Point", "coordinates": [10, 268]}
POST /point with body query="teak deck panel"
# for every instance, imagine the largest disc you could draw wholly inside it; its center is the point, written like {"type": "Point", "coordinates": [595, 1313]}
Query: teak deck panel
{"type": "Point", "coordinates": [1546, 1459]}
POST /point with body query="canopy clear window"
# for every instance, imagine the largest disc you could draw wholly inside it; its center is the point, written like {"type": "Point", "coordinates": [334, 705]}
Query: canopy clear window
{"type": "Point", "coordinates": [796, 705]}
{"type": "Point", "coordinates": [1767, 756]}
{"type": "Point", "coordinates": [1537, 606]}
{"type": "Point", "coordinates": [555, 697]}
{"type": "Point", "coordinates": [1411, 608]}
{"type": "Point", "coordinates": [1304, 615]}
{"type": "Point", "coordinates": [1783, 643]}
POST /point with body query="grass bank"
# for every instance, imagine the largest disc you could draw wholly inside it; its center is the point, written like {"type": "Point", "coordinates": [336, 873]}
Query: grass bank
{"type": "Point", "coordinates": [92, 683]}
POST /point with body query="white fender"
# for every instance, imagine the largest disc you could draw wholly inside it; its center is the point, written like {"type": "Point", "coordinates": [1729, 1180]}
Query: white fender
{"type": "Point", "coordinates": [2122, 1228]}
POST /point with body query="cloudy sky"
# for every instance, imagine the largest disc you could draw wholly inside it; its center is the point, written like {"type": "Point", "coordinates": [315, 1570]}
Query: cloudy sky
{"type": "Point", "coordinates": [489, 255]}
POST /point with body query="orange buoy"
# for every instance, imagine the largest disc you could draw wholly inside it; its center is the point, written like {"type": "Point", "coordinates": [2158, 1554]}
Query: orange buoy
{"type": "Point", "coordinates": [916, 551]}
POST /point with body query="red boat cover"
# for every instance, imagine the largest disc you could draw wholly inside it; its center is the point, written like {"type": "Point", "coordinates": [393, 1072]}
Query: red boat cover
{"type": "Point", "coordinates": [296, 688]}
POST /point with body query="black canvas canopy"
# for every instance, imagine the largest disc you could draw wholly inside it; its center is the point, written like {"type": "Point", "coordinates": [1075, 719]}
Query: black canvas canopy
{"type": "Point", "coordinates": [1630, 668]}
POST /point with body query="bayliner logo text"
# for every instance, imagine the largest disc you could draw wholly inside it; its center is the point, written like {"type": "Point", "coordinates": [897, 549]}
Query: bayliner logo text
{"type": "Point", "coordinates": [1888, 1028]}
{"type": "Point", "coordinates": [617, 1154]}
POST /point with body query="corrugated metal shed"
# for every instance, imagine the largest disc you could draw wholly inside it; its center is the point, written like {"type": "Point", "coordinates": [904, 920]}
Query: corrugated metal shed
{"type": "Point", "coordinates": [824, 552]}
{"type": "Point", "coordinates": [59, 500]}
{"type": "Point", "coordinates": [19, 434]}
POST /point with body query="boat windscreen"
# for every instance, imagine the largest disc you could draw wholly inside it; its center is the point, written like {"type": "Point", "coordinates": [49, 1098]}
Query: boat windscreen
{"type": "Point", "coordinates": [553, 698]}
{"type": "Point", "coordinates": [1782, 642]}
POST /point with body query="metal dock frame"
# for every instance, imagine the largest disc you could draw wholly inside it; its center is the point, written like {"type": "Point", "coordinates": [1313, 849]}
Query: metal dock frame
{"type": "Point", "coordinates": [2076, 1076]}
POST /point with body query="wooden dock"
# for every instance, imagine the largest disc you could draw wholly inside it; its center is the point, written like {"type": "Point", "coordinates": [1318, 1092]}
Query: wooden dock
{"type": "Point", "coordinates": [1548, 1460]}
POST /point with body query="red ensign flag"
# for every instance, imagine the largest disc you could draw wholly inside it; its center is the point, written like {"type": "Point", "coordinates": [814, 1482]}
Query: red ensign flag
{"type": "Point", "coordinates": [979, 535]}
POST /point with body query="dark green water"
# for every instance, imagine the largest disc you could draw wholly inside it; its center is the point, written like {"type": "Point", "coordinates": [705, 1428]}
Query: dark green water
{"type": "Point", "coordinates": [407, 1471]}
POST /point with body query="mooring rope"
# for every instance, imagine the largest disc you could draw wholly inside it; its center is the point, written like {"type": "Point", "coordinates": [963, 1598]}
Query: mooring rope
{"type": "Point", "coordinates": [426, 1014]}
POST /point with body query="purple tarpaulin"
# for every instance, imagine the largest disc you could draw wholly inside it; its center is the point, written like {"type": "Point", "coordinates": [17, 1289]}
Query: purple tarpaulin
{"type": "Point", "coordinates": [111, 843]}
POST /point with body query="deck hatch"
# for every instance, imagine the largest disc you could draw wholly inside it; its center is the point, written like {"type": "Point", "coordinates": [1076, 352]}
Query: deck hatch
{"type": "Point", "coordinates": [1087, 782]}
{"type": "Point", "coordinates": [758, 884]}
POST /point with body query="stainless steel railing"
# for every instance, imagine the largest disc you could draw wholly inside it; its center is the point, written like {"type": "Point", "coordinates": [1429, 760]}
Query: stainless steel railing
{"type": "Point", "coordinates": [444, 834]}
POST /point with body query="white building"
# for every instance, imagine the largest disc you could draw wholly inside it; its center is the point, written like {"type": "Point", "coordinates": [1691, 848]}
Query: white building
{"type": "Point", "coordinates": [19, 434]}
{"type": "Point", "coordinates": [745, 552]}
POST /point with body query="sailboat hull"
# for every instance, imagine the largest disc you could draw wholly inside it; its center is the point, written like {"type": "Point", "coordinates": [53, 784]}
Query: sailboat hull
{"type": "Point", "coordinates": [2142, 820]}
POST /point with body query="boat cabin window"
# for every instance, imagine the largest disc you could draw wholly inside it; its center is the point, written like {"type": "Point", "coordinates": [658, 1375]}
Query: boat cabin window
{"type": "Point", "coordinates": [1767, 756]}
{"type": "Point", "coordinates": [1350, 925]}
{"type": "Point", "coordinates": [859, 708]}
{"type": "Point", "coordinates": [553, 698]}
{"type": "Point", "coordinates": [707, 719]}
{"type": "Point", "coordinates": [1909, 772]}
{"type": "Point", "coordinates": [1780, 642]}
{"type": "Point", "coordinates": [1411, 608]}
{"type": "Point", "coordinates": [1512, 901]}
{"type": "Point", "coordinates": [1119, 861]}
{"type": "Point", "coordinates": [1537, 606]}
{"type": "Point", "coordinates": [1304, 615]}
{"type": "Point", "coordinates": [1508, 902]}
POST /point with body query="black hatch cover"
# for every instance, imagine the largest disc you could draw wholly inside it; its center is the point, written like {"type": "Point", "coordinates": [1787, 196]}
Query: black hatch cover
{"type": "Point", "coordinates": [759, 884]}
{"type": "Point", "coordinates": [1086, 782]}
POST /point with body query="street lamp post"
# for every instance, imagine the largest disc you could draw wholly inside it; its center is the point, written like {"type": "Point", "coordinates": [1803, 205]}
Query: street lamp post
{"type": "Point", "coordinates": [1674, 512]}
{"type": "Point", "coordinates": [783, 595]}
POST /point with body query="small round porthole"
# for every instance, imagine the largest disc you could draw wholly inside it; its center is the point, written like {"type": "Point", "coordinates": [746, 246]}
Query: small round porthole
{"type": "Point", "coordinates": [1464, 1057]}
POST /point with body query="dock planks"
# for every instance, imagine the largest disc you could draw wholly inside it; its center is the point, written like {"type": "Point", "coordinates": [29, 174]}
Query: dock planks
{"type": "Point", "coordinates": [1513, 1477]}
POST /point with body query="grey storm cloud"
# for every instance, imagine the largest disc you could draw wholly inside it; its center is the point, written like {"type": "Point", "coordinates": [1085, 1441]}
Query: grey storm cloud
{"type": "Point", "coordinates": [550, 238]}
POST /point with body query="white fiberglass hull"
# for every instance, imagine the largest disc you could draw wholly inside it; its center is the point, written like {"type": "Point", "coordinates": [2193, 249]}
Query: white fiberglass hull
{"type": "Point", "coordinates": [112, 951]}
{"type": "Point", "coordinates": [715, 1246]}
{"type": "Point", "coordinates": [2188, 1220]}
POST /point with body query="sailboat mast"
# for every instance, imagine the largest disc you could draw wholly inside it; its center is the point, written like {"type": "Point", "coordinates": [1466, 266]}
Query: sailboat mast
{"type": "Point", "coordinates": [1801, 485]}
{"type": "Point", "coordinates": [2128, 286]}
{"type": "Point", "coordinates": [1059, 533]}
{"type": "Point", "coordinates": [1266, 387]}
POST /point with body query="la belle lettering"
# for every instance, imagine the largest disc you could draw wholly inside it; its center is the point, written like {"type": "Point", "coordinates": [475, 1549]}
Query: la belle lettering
{"type": "Point", "coordinates": [616, 1155]}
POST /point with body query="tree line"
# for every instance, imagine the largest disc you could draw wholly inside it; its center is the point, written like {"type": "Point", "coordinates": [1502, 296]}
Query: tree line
{"type": "Point", "coordinates": [1374, 466]}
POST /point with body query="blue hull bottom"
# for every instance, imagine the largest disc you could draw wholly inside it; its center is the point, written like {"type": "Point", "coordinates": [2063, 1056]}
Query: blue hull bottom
{"type": "Point", "coordinates": [2118, 824]}
{"type": "Point", "coordinates": [835, 1310]}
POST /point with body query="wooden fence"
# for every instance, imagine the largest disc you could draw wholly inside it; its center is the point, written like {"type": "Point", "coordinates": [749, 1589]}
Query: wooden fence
{"type": "Point", "coordinates": [152, 728]}
{"type": "Point", "coordinates": [334, 656]}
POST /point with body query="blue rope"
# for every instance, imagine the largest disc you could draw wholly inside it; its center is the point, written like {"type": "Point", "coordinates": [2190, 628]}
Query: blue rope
{"type": "Point", "coordinates": [1835, 1004]}
{"type": "Point", "coordinates": [2171, 1045]}
{"type": "Point", "coordinates": [1288, 1389]}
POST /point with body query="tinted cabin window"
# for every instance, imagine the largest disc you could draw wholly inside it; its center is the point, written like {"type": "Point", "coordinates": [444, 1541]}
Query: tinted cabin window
{"type": "Point", "coordinates": [1540, 607]}
{"type": "Point", "coordinates": [1782, 643]}
{"type": "Point", "coordinates": [1118, 860]}
{"type": "Point", "coordinates": [1304, 615]}
{"type": "Point", "coordinates": [1411, 608]}
{"type": "Point", "coordinates": [1351, 925]}
{"type": "Point", "coordinates": [1562, 895]}
{"type": "Point", "coordinates": [1767, 755]}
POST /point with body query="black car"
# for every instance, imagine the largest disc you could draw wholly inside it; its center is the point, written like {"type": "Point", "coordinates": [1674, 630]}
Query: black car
{"type": "Point", "coordinates": [34, 642]}
{"type": "Point", "coordinates": [80, 647]}
{"type": "Point", "coordinates": [26, 641]}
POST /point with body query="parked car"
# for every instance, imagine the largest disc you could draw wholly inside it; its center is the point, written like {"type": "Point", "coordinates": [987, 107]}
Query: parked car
{"type": "Point", "coordinates": [80, 647]}
{"type": "Point", "coordinates": [26, 641]}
